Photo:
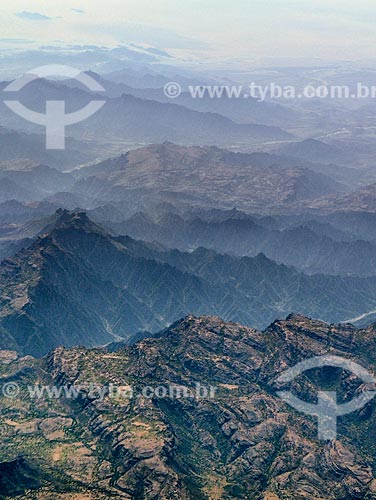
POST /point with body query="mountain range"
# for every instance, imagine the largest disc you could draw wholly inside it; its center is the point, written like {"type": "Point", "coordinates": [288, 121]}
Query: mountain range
{"type": "Point", "coordinates": [160, 274]}
{"type": "Point", "coordinates": [238, 441]}
{"type": "Point", "coordinates": [17, 145]}
{"type": "Point", "coordinates": [313, 245]}
{"type": "Point", "coordinates": [240, 110]}
{"type": "Point", "coordinates": [144, 287]}
{"type": "Point", "coordinates": [26, 181]}
{"type": "Point", "coordinates": [205, 175]}
{"type": "Point", "coordinates": [134, 120]}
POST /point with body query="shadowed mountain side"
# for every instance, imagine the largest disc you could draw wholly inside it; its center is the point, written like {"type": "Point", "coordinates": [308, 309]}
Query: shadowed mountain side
{"type": "Point", "coordinates": [312, 246]}
{"type": "Point", "coordinates": [77, 284]}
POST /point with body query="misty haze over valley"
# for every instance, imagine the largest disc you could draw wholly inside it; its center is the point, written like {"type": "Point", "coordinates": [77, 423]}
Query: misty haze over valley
{"type": "Point", "coordinates": [187, 250]}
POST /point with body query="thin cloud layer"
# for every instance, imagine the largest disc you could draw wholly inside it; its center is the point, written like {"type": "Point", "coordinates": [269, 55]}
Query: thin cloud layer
{"type": "Point", "coordinates": [33, 16]}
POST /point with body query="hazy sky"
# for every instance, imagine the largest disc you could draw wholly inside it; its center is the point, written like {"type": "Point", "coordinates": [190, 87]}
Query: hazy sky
{"type": "Point", "coordinates": [341, 29]}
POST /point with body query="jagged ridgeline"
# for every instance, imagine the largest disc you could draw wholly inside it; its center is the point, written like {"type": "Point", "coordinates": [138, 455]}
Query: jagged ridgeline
{"type": "Point", "coordinates": [244, 443]}
{"type": "Point", "coordinates": [78, 285]}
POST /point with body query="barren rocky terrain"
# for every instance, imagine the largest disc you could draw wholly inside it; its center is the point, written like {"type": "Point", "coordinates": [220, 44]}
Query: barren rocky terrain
{"type": "Point", "coordinates": [243, 443]}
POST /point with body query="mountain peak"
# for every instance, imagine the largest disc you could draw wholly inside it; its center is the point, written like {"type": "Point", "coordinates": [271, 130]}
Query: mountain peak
{"type": "Point", "coordinates": [77, 220]}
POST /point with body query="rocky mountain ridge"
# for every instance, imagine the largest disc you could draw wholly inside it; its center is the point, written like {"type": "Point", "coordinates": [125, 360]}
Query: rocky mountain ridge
{"type": "Point", "coordinates": [110, 288]}
{"type": "Point", "coordinates": [245, 443]}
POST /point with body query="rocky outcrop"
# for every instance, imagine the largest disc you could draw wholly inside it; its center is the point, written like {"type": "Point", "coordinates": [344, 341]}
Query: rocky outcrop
{"type": "Point", "coordinates": [238, 441]}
